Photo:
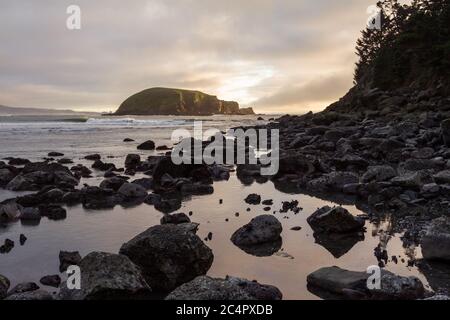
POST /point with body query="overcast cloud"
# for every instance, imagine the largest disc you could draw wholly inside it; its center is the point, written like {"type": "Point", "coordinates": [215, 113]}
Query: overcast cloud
{"type": "Point", "coordinates": [276, 56]}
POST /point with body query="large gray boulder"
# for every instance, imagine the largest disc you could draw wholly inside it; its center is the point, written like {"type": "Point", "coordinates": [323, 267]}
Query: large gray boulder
{"type": "Point", "coordinates": [334, 220]}
{"type": "Point", "coordinates": [230, 288]}
{"type": "Point", "coordinates": [340, 283]}
{"type": "Point", "coordinates": [262, 229]}
{"type": "Point", "coordinates": [436, 241]}
{"type": "Point", "coordinates": [106, 276]}
{"type": "Point", "coordinates": [169, 255]}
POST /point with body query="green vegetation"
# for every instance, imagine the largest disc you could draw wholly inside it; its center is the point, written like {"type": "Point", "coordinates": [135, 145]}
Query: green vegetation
{"type": "Point", "coordinates": [411, 49]}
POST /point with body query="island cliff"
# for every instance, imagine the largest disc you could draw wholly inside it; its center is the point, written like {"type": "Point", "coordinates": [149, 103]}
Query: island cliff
{"type": "Point", "coordinates": [168, 101]}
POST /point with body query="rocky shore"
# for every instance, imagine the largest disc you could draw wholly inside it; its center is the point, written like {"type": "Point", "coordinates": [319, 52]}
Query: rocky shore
{"type": "Point", "coordinates": [395, 165]}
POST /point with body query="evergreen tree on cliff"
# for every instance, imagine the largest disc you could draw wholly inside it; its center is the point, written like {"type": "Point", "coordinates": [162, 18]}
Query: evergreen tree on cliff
{"type": "Point", "coordinates": [412, 47]}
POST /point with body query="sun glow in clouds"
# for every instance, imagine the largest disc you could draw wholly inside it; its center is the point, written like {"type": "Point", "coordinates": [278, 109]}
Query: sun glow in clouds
{"type": "Point", "coordinates": [238, 87]}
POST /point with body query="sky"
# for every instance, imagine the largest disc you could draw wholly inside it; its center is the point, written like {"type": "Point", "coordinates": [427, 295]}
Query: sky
{"type": "Point", "coordinates": [277, 56]}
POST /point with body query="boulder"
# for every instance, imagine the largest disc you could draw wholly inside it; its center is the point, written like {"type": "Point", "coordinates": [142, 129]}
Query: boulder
{"type": "Point", "coordinates": [176, 218]}
{"type": "Point", "coordinates": [113, 183]}
{"type": "Point", "coordinates": [132, 161]}
{"type": "Point", "coordinates": [198, 172]}
{"type": "Point", "coordinates": [93, 157]}
{"type": "Point", "coordinates": [262, 229]}
{"type": "Point", "coordinates": [335, 220]}
{"type": "Point", "coordinates": [37, 295]}
{"type": "Point", "coordinates": [107, 276]}
{"type": "Point", "coordinates": [10, 211]}
{"type": "Point", "coordinates": [102, 166]}
{"type": "Point", "coordinates": [378, 174]}
{"type": "Point", "coordinates": [445, 128]}
{"type": "Point", "coordinates": [352, 284]}
{"type": "Point", "coordinates": [413, 180]}
{"type": "Point", "coordinates": [146, 183]}
{"type": "Point", "coordinates": [169, 255]}
{"type": "Point", "coordinates": [55, 154]}
{"type": "Point", "coordinates": [4, 286]}
{"type": "Point", "coordinates": [442, 177]}
{"type": "Point", "coordinates": [209, 289]}
{"type": "Point", "coordinates": [131, 190]}
{"type": "Point", "coordinates": [67, 259]}
{"type": "Point", "coordinates": [436, 240]}
{"type": "Point", "coordinates": [6, 175]}
{"type": "Point", "coordinates": [51, 280]}
{"type": "Point", "coordinates": [30, 214]}
{"type": "Point", "coordinates": [23, 287]}
{"type": "Point", "coordinates": [147, 145]}
{"type": "Point", "coordinates": [253, 199]}
{"type": "Point", "coordinates": [53, 212]}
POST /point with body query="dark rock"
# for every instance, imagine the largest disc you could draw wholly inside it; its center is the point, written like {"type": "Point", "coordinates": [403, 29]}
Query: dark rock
{"type": "Point", "coordinates": [198, 172]}
{"type": "Point", "coordinates": [55, 154]}
{"type": "Point", "coordinates": [378, 174]}
{"type": "Point", "coordinates": [107, 276]}
{"type": "Point", "coordinates": [207, 288]}
{"type": "Point", "coordinates": [169, 255]}
{"type": "Point", "coordinates": [6, 175]}
{"type": "Point", "coordinates": [445, 128]}
{"type": "Point", "coordinates": [442, 177]}
{"type": "Point", "coordinates": [167, 205]}
{"type": "Point", "coordinates": [18, 161]}
{"type": "Point", "coordinates": [196, 189]}
{"type": "Point", "coordinates": [22, 239]}
{"type": "Point", "coordinates": [335, 220]}
{"type": "Point", "coordinates": [53, 212]}
{"type": "Point", "coordinates": [67, 259]}
{"type": "Point", "coordinates": [262, 229]}
{"type": "Point", "coordinates": [7, 246]}
{"type": "Point", "coordinates": [23, 287]}
{"type": "Point", "coordinates": [146, 183]}
{"type": "Point", "coordinates": [268, 202]}
{"type": "Point", "coordinates": [93, 157]}
{"type": "Point", "coordinates": [147, 145]}
{"type": "Point", "coordinates": [132, 161]}
{"type": "Point", "coordinates": [51, 281]}
{"type": "Point", "coordinates": [131, 190]}
{"type": "Point", "coordinates": [30, 214]}
{"type": "Point", "coordinates": [113, 183]}
{"type": "Point", "coordinates": [253, 199]}
{"type": "Point", "coordinates": [436, 240]}
{"type": "Point", "coordinates": [342, 282]}
{"type": "Point", "coordinates": [65, 161]}
{"type": "Point", "coordinates": [258, 291]}
{"type": "Point", "coordinates": [176, 218]}
{"type": "Point", "coordinates": [153, 199]}
{"type": "Point", "coordinates": [4, 286]}
{"type": "Point", "coordinates": [128, 140]}
{"type": "Point", "coordinates": [413, 180]}
{"type": "Point", "coordinates": [10, 211]}
{"type": "Point", "coordinates": [36, 295]}
{"type": "Point", "coordinates": [102, 166]}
